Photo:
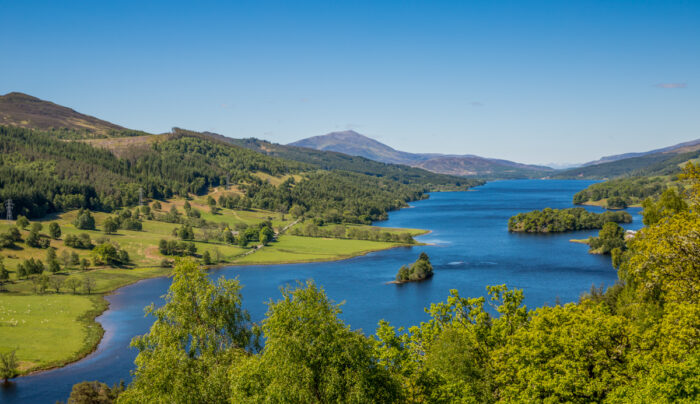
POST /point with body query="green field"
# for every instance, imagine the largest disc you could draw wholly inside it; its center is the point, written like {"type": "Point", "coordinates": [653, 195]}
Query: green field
{"type": "Point", "coordinates": [290, 249]}
{"type": "Point", "coordinates": [49, 330]}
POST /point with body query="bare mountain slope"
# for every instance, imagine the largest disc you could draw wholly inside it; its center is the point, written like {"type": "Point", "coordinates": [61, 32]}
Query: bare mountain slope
{"type": "Point", "coordinates": [18, 109]}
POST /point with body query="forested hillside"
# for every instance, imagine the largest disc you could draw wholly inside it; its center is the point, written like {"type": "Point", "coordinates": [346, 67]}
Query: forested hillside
{"type": "Point", "coordinates": [663, 163]}
{"type": "Point", "coordinates": [43, 174]}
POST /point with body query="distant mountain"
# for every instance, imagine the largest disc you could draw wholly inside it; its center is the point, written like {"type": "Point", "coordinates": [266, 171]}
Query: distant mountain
{"type": "Point", "coordinates": [22, 110]}
{"type": "Point", "coordinates": [679, 148]}
{"type": "Point", "coordinates": [355, 144]}
{"type": "Point", "coordinates": [332, 160]}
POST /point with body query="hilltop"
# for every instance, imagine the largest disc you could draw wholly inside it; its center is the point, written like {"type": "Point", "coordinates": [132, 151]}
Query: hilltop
{"type": "Point", "coordinates": [25, 111]}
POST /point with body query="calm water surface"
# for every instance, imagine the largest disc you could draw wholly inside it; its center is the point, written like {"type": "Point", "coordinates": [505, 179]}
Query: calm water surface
{"type": "Point", "coordinates": [470, 248]}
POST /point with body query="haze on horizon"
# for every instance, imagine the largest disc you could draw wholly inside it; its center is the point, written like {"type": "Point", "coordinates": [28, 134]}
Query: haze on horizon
{"type": "Point", "coordinates": [531, 81]}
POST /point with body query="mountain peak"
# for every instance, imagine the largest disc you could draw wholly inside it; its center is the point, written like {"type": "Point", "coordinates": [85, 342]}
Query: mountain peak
{"type": "Point", "coordinates": [16, 95]}
{"type": "Point", "coordinates": [355, 144]}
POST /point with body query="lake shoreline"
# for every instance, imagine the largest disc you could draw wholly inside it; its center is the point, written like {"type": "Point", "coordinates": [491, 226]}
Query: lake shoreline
{"type": "Point", "coordinates": [92, 345]}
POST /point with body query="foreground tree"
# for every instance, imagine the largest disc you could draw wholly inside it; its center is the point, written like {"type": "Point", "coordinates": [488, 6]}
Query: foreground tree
{"type": "Point", "coordinates": [8, 365]}
{"type": "Point", "coordinates": [198, 333]}
{"type": "Point", "coordinates": [310, 355]}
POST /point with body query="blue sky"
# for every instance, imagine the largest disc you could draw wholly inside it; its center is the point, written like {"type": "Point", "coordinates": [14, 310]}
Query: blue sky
{"type": "Point", "coordinates": [531, 81]}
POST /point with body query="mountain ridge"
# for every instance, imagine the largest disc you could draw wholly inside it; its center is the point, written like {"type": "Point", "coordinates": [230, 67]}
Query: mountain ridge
{"type": "Point", "coordinates": [25, 111]}
{"type": "Point", "coordinates": [352, 143]}
{"type": "Point", "coordinates": [688, 146]}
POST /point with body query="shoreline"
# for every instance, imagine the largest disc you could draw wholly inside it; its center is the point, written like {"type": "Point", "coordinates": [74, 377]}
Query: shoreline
{"type": "Point", "coordinates": [102, 305]}
{"type": "Point", "coordinates": [603, 204]}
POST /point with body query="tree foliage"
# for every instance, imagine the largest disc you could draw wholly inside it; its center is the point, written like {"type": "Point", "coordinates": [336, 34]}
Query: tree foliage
{"type": "Point", "coordinates": [197, 334]}
{"type": "Point", "coordinates": [560, 220]}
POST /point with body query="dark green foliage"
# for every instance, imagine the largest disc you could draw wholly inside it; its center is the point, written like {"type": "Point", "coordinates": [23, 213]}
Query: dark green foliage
{"type": "Point", "coordinates": [610, 237]}
{"type": "Point", "coordinates": [52, 260]}
{"type": "Point", "coordinates": [561, 220]}
{"type": "Point", "coordinates": [81, 241]}
{"type": "Point", "coordinates": [84, 220]}
{"type": "Point", "coordinates": [186, 162]}
{"type": "Point", "coordinates": [266, 235]}
{"type": "Point", "coordinates": [54, 230]}
{"type": "Point", "coordinates": [206, 258]}
{"type": "Point", "coordinates": [621, 191]}
{"type": "Point", "coordinates": [110, 226]}
{"type": "Point", "coordinates": [132, 224]}
{"type": "Point", "coordinates": [22, 222]}
{"type": "Point", "coordinates": [351, 232]}
{"type": "Point", "coordinates": [108, 253]}
{"type": "Point", "coordinates": [418, 271]}
{"type": "Point", "coordinates": [36, 227]}
{"type": "Point", "coordinates": [4, 274]}
{"type": "Point", "coordinates": [616, 202]}
{"type": "Point", "coordinates": [35, 240]}
{"type": "Point", "coordinates": [179, 248]}
{"type": "Point", "coordinates": [185, 233]}
{"type": "Point", "coordinates": [361, 198]}
{"type": "Point", "coordinates": [9, 237]}
{"type": "Point", "coordinates": [228, 237]}
{"type": "Point", "coordinates": [43, 174]}
{"type": "Point", "coordinates": [30, 266]}
{"type": "Point", "coordinates": [94, 393]}
{"type": "Point", "coordinates": [9, 365]}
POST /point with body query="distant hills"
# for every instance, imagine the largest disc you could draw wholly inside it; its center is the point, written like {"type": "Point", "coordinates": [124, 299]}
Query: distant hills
{"type": "Point", "coordinates": [347, 150]}
{"type": "Point", "coordinates": [352, 143]}
{"type": "Point", "coordinates": [21, 110]}
{"type": "Point", "coordinates": [25, 111]}
{"type": "Point", "coordinates": [664, 161]}
{"type": "Point", "coordinates": [679, 148]}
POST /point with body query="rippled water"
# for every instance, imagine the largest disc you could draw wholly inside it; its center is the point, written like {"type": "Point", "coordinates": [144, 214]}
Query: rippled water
{"type": "Point", "coordinates": [470, 248]}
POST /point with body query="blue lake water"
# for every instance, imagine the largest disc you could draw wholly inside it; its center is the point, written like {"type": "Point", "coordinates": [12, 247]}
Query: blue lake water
{"type": "Point", "coordinates": [470, 247]}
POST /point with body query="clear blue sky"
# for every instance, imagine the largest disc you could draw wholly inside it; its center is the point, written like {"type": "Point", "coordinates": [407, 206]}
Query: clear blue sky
{"type": "Point", "coordinates": [531, 81]}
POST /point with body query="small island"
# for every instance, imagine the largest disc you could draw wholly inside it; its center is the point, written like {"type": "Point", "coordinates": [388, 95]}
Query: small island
{"type": "Point", "coordinates": [420, 270]}
{"type": "Point", "coordinates": [561, 220]}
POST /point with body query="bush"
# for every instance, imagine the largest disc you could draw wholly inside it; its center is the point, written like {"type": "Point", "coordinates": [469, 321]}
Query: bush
{"type": "Point", "coordinates": [132, 224]}
{"type": "Point", "coordinates": [179, 248]}
{"type": "Point", "coordinates": [81, 241]}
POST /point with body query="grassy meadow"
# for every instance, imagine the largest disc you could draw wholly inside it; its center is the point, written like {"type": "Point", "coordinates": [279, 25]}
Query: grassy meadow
{"type": "Point", "coordinates": [54, 328]}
